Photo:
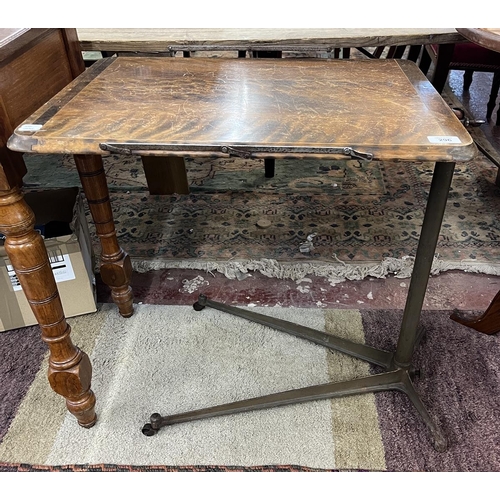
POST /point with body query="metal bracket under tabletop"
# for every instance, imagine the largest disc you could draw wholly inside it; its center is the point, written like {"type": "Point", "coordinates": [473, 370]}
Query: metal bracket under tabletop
{"type": "Point", "coordinates": [247, 152]}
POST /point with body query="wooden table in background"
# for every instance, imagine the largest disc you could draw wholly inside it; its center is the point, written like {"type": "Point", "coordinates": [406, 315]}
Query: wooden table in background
{"type": "Point", "coordinates": [489, 38]}
{"type": "Point", "coordinates": [489, 321]}
{"type": "Point", "coordinates": [149, 40]}
{"type": "Point", "coordinates": [219, 107]}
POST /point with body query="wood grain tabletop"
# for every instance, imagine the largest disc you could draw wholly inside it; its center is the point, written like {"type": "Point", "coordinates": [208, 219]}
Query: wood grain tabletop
{"type": "Point", "coordinates": [267, 107]}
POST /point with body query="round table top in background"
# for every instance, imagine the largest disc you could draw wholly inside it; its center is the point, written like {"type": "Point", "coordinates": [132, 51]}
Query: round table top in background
{"type": "Point", "coordinates": [486, 37]}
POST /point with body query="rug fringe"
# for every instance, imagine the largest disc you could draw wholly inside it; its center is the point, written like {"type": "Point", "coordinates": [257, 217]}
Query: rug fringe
{"type": "Point", "coordinates": [334, 272]}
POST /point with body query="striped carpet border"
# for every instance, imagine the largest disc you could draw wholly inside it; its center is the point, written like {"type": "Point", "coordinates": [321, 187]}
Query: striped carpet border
{"type": "Point", "coordinates": [6, 467]}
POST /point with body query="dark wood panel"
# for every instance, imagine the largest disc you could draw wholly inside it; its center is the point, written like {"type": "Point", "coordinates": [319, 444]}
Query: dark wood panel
{"type": "Point", "coordinates": [73, 51]}
{"type": "Point", "coordinates": [35, 63]}
{"type": "Point", "coordinates": [15, 40]}
{"type": "Point", "coordinates": [34, 77]}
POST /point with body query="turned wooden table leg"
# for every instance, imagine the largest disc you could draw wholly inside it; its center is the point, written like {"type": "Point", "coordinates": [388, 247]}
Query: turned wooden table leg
{"type": "Point", "coordinates": [116, 268]}
{"type": "Point", "coordinates": [70, 371]}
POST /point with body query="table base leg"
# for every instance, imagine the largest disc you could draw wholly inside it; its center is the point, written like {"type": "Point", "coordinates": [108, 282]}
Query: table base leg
{"type": "Point", "coordinates": [70, 371]}
{"type": "Point", "coordinates": [397, 365]}
{"type": "Point", "coordinates": [429, 234]}
{"type": "Point", "coordinates": [395, 379]}
{"type": "Point", "coordinates": [116, 267]}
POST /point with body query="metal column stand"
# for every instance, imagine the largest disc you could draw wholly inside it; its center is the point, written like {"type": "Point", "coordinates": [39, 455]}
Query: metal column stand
{"type": "Point", "coordinates": [398, 368]}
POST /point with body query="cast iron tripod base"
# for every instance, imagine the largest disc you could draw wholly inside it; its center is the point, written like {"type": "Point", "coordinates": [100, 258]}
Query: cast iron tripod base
{"type": "Point", "coordinates": [394, 378]}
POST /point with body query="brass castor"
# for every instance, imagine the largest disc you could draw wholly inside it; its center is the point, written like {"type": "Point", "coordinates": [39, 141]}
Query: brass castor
{"type": "Point", "coordinates": [148, 430]}
{"type": "Point", "coordinates": [200, 304]}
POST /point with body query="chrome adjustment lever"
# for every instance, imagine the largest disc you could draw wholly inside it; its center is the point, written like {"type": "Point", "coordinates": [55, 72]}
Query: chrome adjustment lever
{"type": "Point", "coordinates": [358, 154]}
{"type": "Point", "coordinates": [236, 152]}
{"type": "Point", "coordinates": [467, 122]}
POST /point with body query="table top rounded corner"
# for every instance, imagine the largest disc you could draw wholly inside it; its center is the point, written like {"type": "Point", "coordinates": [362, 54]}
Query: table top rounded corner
{"type": "Point", "coordinates": [468, 151]}
{"type": "Point", "coordinates": [21, 142]}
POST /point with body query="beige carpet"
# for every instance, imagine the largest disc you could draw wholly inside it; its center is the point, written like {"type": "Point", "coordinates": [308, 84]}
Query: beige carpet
{"type": "Point", "coordinates": [168, 359]}
{"type": "Point", "coordinates": [171, 359]}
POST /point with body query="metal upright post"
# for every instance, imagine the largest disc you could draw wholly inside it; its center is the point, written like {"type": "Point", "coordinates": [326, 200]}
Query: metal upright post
{"type": "Point", "coordinates": [431, 226]}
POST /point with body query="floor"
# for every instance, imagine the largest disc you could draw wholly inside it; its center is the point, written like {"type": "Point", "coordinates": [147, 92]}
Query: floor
{"type": "Point", "coordinates": [475, 101]}
{"type": "Point", "coordinates": [448, 291]}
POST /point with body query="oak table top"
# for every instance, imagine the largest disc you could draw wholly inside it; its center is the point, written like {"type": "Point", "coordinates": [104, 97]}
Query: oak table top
{"type": "Point", "coordinates": [165, 39]}
{"type": "Point", "coordinates": [263, 108]}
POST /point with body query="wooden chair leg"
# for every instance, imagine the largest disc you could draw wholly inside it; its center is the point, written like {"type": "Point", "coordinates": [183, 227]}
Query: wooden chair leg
{"type": "Point", "coordinates": [442, 68]}
{"type": "Point", "coordinates": [269, 164]}
{"type": "Point", "coordinates": [414, 52]}
{"type": "Point", "coordinates": [488, 322]}
{"type": "Point", "coordinates": [495, 87]}
{"type": "Point", "coordinates": [70, 371]}
{"type": "Point", "coordinates": [468, 74]}
{"type": "Point", "coordinates": [165, 174]}
{"type": "Point", "coordinates": [116, 268]}
{"type": "Point", "coordinates": [399, 52]}
{"type": "Point", "coordinates": [425, 61]}
{"type": "Point", "coordinates": [391, 52]}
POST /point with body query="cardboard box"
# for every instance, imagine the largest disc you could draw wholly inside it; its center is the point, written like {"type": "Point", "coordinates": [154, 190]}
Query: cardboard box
{"type": "Point", "coordinates": [60, 218]}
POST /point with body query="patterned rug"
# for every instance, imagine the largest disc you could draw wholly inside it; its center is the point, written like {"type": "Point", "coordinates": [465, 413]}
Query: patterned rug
{"type": "Point", "coordinates": [216, 358]}
{"type": "Point", "coordinates": [339, 219]}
